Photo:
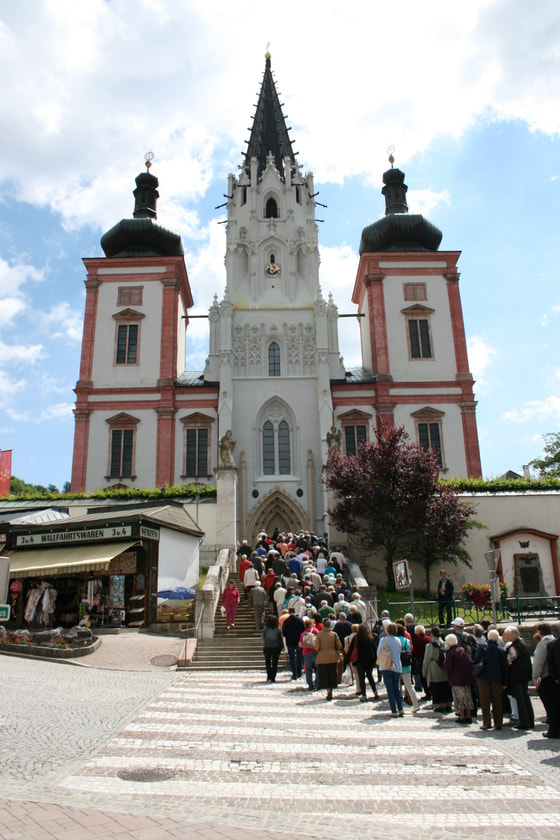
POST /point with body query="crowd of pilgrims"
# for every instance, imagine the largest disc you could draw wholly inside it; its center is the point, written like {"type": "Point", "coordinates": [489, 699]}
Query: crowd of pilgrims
{"type": "Point", "coordinates": [302, 600]}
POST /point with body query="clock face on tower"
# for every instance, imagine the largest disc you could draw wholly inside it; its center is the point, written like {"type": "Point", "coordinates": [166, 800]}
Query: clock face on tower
{"type": "Point", "coordinates": [272, 269]}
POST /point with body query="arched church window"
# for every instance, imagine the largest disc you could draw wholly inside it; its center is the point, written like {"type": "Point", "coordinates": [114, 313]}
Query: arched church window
{"type": "Point", "coordinates": [268, 448]}
{"type": "Point", "coordinates": [283, 448]}
{"type": "Point", "coordinates": [273, 359]}
{"type": "Point", "coordinates": [271, 211]}
{"type": "Point", "coordinates": [276, 448]}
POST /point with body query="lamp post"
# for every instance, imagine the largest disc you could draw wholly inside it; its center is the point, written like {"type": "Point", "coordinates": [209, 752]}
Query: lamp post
{"type": "Point", "coordinates": [492, 558]}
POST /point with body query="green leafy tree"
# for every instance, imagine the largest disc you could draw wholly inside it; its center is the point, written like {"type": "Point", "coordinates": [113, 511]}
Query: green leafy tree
{"type": "Point", "coordinates": [549, 465]}
{"type": "Point", "coordinates": [389, 496]}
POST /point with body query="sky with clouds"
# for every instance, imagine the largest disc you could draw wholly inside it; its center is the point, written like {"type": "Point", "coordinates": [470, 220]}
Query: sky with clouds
{"type": "Point", "coordinates": [466, 90]}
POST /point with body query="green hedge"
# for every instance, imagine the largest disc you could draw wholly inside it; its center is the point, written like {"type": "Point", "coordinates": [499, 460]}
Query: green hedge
{"type": "Point", "coordinates": [502, 485]}
{"type": "Point", "coordinates": [167, 492]}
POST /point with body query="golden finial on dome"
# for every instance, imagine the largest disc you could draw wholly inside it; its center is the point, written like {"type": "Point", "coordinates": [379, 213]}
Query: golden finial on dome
{"type": "Point", "coordinates": [148, 157]}
{"type": "Point", "coordinates": [267, 53]}
{"type": "Point", "coordinates": [390, 150]}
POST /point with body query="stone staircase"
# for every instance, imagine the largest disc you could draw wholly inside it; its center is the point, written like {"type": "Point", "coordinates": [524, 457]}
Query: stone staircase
{"type": "Point", "coordinates": [237, 649]}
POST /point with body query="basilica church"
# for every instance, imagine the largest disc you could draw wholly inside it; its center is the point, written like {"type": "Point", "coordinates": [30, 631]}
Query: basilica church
{"type": "Point", "coordinates": [274, 384]}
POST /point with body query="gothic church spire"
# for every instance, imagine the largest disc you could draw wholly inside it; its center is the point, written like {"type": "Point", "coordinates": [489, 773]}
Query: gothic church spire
{"type": "Point", "coordinates": [269, 133]}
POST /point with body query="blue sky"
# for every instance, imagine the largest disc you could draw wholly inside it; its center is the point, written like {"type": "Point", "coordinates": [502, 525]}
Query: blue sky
{"type": "Point", "coordinates": [466, 91]}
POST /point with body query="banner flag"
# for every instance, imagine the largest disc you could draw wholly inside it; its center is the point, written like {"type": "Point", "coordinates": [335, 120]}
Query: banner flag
{"type": "Point", "coordinates": [5, 471]}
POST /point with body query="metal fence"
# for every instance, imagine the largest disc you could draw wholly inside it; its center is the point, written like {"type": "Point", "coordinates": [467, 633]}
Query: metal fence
{"type": "Point", "coordinates": [508, 609]}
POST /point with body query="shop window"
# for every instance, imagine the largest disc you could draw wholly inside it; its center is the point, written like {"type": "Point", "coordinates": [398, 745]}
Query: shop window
{"type": "Point", "coordinates": [127, 338]}
{"type": "Point", "coordinates": [122, 446]}
{"type": "Point", "coordinates": [273, 359]}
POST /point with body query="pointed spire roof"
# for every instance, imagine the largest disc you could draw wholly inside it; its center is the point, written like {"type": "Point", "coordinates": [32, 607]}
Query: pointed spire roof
{"type": "Point", "coordinates": [269, 133]}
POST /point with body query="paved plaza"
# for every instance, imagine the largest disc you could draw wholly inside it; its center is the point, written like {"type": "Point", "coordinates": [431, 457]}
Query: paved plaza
{"type": "Point", "coordinates": [142, 751]}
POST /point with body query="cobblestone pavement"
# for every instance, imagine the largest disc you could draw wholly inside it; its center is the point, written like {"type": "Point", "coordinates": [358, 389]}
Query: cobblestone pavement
{"type": "Point", "coordinates": [87, 753]}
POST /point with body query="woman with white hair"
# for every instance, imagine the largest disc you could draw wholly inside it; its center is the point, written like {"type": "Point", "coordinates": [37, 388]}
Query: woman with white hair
{"type": "Point", "coordinates": [458, 665]}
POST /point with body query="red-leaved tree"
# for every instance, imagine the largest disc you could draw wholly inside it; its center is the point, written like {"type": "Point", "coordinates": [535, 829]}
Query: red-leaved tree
{"type": "Point", "coordinates": [388, 495]}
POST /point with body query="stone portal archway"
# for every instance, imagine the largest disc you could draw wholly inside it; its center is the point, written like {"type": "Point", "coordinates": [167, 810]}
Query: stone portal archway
{"type": "Point", "coordinates": [277, 509]}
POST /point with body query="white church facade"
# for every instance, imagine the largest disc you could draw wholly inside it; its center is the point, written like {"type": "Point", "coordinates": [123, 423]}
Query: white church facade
{"type": "Point", "coordinates": [274, 376]}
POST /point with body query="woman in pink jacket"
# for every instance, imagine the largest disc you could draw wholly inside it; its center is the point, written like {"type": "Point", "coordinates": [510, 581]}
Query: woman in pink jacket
{"type": "Point", "coordinates": [230, 600]}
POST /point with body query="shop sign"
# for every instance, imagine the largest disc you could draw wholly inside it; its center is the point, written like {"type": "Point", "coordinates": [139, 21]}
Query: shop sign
{"type": "Point", "coordinates": [4, 612]}
{"type": "Point", "coordinates": [149, 533]}
{"type": "Point", "coordinates": [84, 535]}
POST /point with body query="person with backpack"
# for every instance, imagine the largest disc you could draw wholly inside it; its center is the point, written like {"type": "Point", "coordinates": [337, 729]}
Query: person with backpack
{"type": "Point", "coordinates": [434, 674]}
{"type": "Point", "coordinates": [406, 663]}
{"type": "Point", "coordinates": [309, 653]}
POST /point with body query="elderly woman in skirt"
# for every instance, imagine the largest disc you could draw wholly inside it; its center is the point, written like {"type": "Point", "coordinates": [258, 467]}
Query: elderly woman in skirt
{"type": "Point", "coordinates": [327, 645]}
{"type": "Point", "coordinates": [459, 675]}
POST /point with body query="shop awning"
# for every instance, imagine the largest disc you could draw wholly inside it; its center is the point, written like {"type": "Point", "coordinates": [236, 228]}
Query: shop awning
{"type": "Point", "coordinates": [44, 562]}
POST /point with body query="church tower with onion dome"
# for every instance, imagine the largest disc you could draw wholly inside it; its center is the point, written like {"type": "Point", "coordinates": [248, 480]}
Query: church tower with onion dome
{"type": "Point", "coordinates": [274, 381]}
{"type": "Point", "coordinates": [413, 335]}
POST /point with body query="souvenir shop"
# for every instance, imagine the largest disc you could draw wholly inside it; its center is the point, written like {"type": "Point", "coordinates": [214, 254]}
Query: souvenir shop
{"type": "Point", "coordinates": [99, 575]}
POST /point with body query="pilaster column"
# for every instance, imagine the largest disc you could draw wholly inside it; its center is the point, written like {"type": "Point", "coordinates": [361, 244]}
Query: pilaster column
{"type": "Point", "coordinates": [457, 326]}
{"type": "Point", "coordinates": [470, 437]}
{"type": "Point", "coordinates": [88, 338]}
{"type": "Point", "coordinates": [377, 324]}
{"type": "Point", "coordinates": [226, 507]}
{"type": "Point", "coordinates": [169, 327]}
{"type": "Point", "coordinates": [311, 489]}
{"type": "Point", "coordinates": [243, 496]}
{"type": "Point", "coordinates": [79, 457]}
{"type": "Point", "coordinates": [165, 446]}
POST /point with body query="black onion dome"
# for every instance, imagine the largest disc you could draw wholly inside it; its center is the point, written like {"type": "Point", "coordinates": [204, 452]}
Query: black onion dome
{"type": "Point", "coordinates": [398, 230]}
{"type": "Point", "coordinates": [142, 236]}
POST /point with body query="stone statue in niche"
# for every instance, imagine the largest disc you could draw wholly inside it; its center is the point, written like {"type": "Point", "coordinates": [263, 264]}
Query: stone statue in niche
{"type": "Point", "coordinates": [227, 445]}
{"type": "Point", "coordinates": [334, 440]}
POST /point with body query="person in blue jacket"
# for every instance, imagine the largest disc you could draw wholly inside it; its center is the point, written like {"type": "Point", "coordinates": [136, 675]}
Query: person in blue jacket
{"type": "Point", "coordinates": [492, 679]}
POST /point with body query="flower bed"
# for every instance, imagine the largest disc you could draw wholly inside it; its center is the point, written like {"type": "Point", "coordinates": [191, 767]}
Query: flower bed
{"type": "Point", "coordinates": [54, 643]}
{"type": "Point", "coordinates": [478, 594]}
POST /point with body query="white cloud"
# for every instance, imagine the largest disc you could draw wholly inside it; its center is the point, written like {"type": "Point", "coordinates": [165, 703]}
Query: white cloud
{"type": "Point", "coordinates": [14, 275]}
{"type": "Point", "coordinates": [57, 411]}
{"type": "Point", "coordinates": [92, 87]}
{"type": "Point", "coordinates": [9, 308]}
{"type": "Point", "coordinates": [423, 201]}
{"type": "Point", "coordinates": [20, 353]}
{"type": "Point", "coordinates": [61, 320]}
{"type": "Point", "coordinates": [481, 355]}
{"type": "Point", "coordinates": [536, 410]}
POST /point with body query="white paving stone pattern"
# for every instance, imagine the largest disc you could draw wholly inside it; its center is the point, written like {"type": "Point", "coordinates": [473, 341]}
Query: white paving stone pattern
{"type": "Point", "coordinates": [239, 750]}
